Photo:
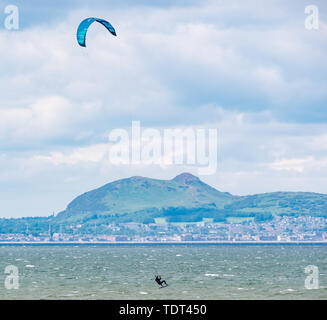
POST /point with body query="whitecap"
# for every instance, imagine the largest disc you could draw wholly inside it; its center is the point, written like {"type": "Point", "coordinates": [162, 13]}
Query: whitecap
{"type": "Point", "coordinates": [287, 290]}
{"type": "Point", "coordinates": [29, 266]}
{"type": "Point", "coordinates": [212, 275]}
{"type": "Point", "coordinates": [143, 292]}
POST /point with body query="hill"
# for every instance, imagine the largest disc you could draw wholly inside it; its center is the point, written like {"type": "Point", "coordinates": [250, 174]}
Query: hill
{"type": "Point", "coordinates": [184, 198]}
{"type": "Point", "coordinates": [141, 198]}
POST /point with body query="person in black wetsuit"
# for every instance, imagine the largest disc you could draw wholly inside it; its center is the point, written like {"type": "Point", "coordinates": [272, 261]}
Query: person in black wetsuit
{"type": "Point", "coordinates": [159, 281]}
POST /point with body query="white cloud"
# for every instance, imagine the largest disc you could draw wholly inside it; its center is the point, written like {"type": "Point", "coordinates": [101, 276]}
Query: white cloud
{"type": "Point", "coordinates": [297, 165]}
{"type": "Point", "coordinates": [94, 153]}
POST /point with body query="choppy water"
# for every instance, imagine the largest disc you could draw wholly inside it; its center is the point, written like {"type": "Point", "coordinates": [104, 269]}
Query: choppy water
{"type": "Point", "coordinates": [192, 271]}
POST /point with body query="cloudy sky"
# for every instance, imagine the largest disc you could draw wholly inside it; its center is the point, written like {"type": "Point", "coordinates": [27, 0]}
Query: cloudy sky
{"type": "Point", "coordinates": [253, 72]}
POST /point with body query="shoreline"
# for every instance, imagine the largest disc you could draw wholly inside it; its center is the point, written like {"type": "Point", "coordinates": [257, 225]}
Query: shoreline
{"type": "Point", "coordinates": [162, 242]}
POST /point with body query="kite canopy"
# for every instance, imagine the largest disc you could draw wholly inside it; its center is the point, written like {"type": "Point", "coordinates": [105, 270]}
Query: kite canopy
{"type": "Point", "coordinates": [84, 25]}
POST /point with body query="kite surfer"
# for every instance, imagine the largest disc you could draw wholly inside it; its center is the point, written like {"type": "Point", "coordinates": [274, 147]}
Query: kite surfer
{"type": "Point", "coordinates": [161, 282]}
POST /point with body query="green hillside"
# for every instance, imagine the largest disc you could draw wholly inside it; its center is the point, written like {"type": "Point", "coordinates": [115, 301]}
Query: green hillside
{"type": "Point", "coordinates": [183, 199]}
{"type": "Point", "coordinates": [144, 196]}
{"type": "Point", "coordinates": [291, 203]}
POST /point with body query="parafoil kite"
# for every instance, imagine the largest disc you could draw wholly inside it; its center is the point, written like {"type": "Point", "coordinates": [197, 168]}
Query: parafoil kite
{"type": "Point", "coordinates": [84, 25]}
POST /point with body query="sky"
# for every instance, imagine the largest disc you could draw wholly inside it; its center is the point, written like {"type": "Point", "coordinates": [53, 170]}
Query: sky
{"type": "Point", "coordinates": [253, 72]}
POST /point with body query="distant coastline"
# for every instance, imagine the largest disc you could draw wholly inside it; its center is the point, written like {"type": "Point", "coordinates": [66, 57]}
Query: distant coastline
{"type": "Point", "coordinates": [180, 210]}
{"type": "Point", "coordinates": [161, 242]}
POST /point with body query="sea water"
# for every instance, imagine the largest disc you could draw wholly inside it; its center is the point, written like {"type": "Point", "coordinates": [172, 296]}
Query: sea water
{"type": "Point", "coordinates": [195, 271]}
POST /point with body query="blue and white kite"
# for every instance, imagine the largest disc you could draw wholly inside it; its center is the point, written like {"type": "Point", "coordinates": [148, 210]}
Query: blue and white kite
{"type": "Point", "coordinates": [84, 25]}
